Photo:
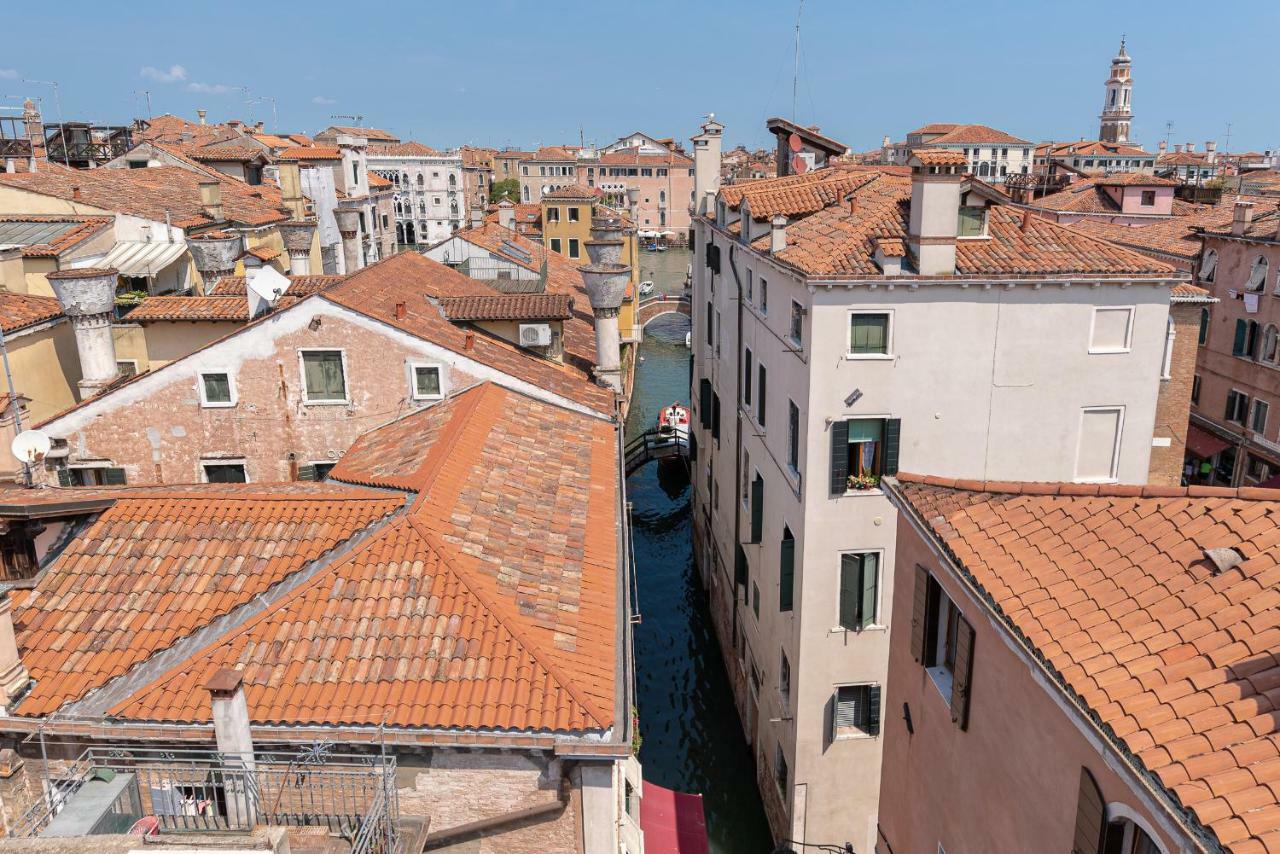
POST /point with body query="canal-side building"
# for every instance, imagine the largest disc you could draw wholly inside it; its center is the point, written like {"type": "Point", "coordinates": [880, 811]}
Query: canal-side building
{"type": "Point", "coordinates": [851, 320]}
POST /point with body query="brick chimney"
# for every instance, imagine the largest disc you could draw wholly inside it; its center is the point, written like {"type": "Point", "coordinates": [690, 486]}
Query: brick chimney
{"type": "Point", "coordinates": [936, 175]}
{"type": "Point", "coordinates": [211, 199]}
{"type": "Point", "coordinates": [88, 298]}
{"type": "Point", "coordinates": [777, 234]}
{"type": "Point", "coordinates": [297, 236]}
{"type": "Point", "coordinates": [1241, 217]}
{"type": "Point", "coordinates": [235, 742]}
{"type": "Point", "coordinates": [33, 125]}
{"type": "Point", "coordinates": [13, 676]}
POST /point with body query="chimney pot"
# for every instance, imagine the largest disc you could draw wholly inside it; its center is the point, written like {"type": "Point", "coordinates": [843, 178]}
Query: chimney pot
{"type": "Point", "coordinates": [401, 310]}
{"type": "Point", "coordinates": [1241, 217]}
{"type": "Point", "coordinates": [778, 234]}
{"type": "Point", "coordinates": [1026, 219]}
{"type": "Point", "coordinates": [469, 341]}
{"type": "Point", "coordinates": [75, 193]}
{"type": "Point", "coordinates": [201, 114]}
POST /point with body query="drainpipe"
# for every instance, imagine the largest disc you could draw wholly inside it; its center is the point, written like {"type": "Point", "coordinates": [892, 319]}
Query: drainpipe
{"type": "Point", "coordinates": [474, 829]}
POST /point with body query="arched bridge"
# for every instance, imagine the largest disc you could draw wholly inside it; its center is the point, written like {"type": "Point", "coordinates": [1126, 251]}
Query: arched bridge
{"type": "Point", "coordinates": [652, 307]}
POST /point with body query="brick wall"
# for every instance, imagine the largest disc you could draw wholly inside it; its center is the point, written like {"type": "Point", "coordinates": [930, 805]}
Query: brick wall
{"type": "Point", "coordinates": [1173, 405]}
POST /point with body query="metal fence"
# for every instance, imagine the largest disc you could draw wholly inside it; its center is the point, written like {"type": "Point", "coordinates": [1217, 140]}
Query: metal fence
{"type": "Point", "coordinates": [353, 796]}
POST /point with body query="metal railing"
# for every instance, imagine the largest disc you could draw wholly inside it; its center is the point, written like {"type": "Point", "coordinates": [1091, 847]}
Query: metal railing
{"type": "Point", "coordinates": [353, 796]}
{"type": "Point", "coordinates": [653, 445]}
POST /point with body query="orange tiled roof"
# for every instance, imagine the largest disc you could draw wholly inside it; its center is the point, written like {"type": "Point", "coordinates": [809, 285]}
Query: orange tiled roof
{"type": "Point", "coordinates": [936, 127]}
{"type": "Point", "coordinates": [979, 134]}
{"type": "Point", "coordinates": [477, 158]}
{"type": "Point", "coordinates": [226, 152]}
{"type": "Point", "coordinates": [1110, 586]}
{"type": "Point", "coordinates": [1264, 225]}
{"type": "Point", "coordinates": [1090, 148]}
{"type": "Point", "coordinates": [298, 285]}
{"type": "Point", "coordinates": [18, 311]}
{"type": "Point", "coordinates": [371, 134]}
{"type": "Point", "coordinates": [553, 152]}
{"type": "Point", "coordinates": [83, 227]}
{"type": "Point", "coordinates": [446, 617]}
{"type": "Point", "coordinates": [403, 149]}
{"type": "Point", "coordinates": [575, 192]}
{"type": "Point", "coordinates": [635, 158]}
{"type": "Point", "coordinates": [939, 157]}
{"type": "Point", "coordinates": [155, 567]}
{"type": "Point", "coordinates": [377, 181]}
{"type": "Point", "coordinates": [1133, 179]}
{"type": "Point", "coordinates": [175, 130]}
{"type": "Point", "coordinates": [509, 307]}
{"type": "Point", "coordinates": [210, 308]}
{"type": "Point", "coordinates": [1187, 292]}
{"type": "Point", "coordinates": [793, 195]}
{"type": "Point", "coordinates": [310, 152]}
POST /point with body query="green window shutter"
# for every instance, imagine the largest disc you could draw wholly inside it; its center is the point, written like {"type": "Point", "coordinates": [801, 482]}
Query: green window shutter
{"type": "Point", "coordinates": [962, 675]}
{"type": "Point", "coordinates": [761, 392]}
{"type": "Point", "coordinates": [892, 440]}
{"type": "Point", "coordinates": [64, 477]}
{"type": "Point", "coordinates": [757, 509]}
{"type": "Point", "coordinates": [850, 584]}
{"type": "Point", "coordinates": [746, 378]}
{"type": "Point", "coordinates": [867, 591]}
{"type": "Point", "coordinates": [740, 568]}
{"type": "Point", "coordinates": [704, 402]}
{"type": "Point", "coordinates": [839, 457]}
{"type": "Point", "coordinates": [711, 323]}
{"type": "Point", "coordinates": [1204, 325]}
{"type": "Point", "coordinates": [307, 472]}
{"type": "Point", "coordinates": [1242, 331]}
{"type": "Point", "coordinates": [919, 613]}
{"type": "Point", "coordinates": [715, 416]}
{"type": "Point", "coordinates": [787, 572]}
{"type": "Point", "coordinates": [113, 477]}
{"type": "Point", "coordinates": [873, 710]}
{"type": "Point", "coordinates": [1231, 406]}
{"type": "Point", "coordinates": [1091, 816]}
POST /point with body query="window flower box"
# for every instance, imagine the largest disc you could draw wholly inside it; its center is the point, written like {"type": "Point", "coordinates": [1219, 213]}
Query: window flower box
{"type": "Point", "coordinates": [863, 482]}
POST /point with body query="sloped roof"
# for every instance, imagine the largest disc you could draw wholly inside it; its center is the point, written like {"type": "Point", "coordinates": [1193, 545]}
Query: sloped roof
{"type": "Point", "coordinates": [156, 566]}
{"type": "Point", "coordinates": [18, 311]}
{"type": "Point", "coordinates": [509, 307]}
{"type": "Point", "coordinates": [310, 152]}
{"type": "Point", "coordinates": [220, 152]}
{"type": "Point", "coordinates": [48, 235]}
{"type": "Point", "coordinates": [371, 134]}
{"type": "Point", "coordinates": [376, 180]}
{"type": "Point", "coordinates": [631, 157]}
{"type": "Point", "coordinates": [403, 149]}
{"type": "Point", "coordinates": [298, 285]}
{"type": "Point", "coordinates": [979, 134]}
{"type": "Point", "coordinates": [575, 192]}
{"type": "Point", "coordinates": [1263, 226]}
{"type": "Point", "coordinates": [1091, 148]}
{"type": "Point", "coordinates": [1111, 588]}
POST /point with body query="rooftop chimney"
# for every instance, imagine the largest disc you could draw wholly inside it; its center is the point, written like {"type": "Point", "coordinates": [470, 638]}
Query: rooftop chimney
{"type": "Point", "coordinates": [507, 215]}
{"type": "Point", "coordinates": [1177, 148]}
{"type": "Point", "coordinates": [214, 256]}
{"type": "Point", "coordinates": [606, 286]}
{"type": "Point", "coordinates": [290, 178]}
{"type": "Point", "coordinates": [88, 298]}
{"type": "Point", "coordinates": [297, 236]}
{"type": "Point", "coordinates": [706, 165]}
{"type": "Point", "coordinates": [75, 194]}
{"type": "Point", "coordinates": [777, 234]}
{"type": "Point", "coordinates": [1211, 151]}
{"type": "Point", "coordinates": [13, 676]}
{"type": "Point", "coordinates": [1241, 217]}
{"type": "Point", "coordinates": [201, 114]}
{"type": "Point", "coordinates": [348, 220]}
{"type": "Point", "coordinates": [235, 742]}
{"type": "Point", "coordinates": [1191, 148]}
{"type": "Point", "coordinates": [936, 176]}
{"type": "Point", "coordinates": [33, 126]}
{"type": "Point", "coordinates": [1162, 147]}
{"type": "Point", "coordinates": [211, 199]}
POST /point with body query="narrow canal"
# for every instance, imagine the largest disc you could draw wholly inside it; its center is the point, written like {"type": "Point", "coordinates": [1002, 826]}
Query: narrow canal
{"type": "Point", "coordinates": [692, 741]}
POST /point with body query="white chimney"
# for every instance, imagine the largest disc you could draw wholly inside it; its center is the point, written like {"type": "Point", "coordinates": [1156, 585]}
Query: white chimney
{"type": "Point", "coordinates": [348, 220]}
{"type": "Point", "coordinates": [1191, 148]}
{"type": "Point", "coordinates": [936, 175]}
{"type": "Point", "coordinates": [1241, 218]}
{"type": "Point", "coordinates": [706, 165]}
{"type": "Point", "coordinates": [777, 234]}
{"type": "Point", "coordinates": [1211, 151]}
{"type": "Point", "coordinates": [201, 114]}
{"type": "Point", "coordinates": [507, 215]}
{"type": "Point", "coordinates": [88, 298]}
{"type": "Point", "coordinates": [1162, 147]}
{"type": "Point", "coordinates": [1177, 148]}
{"type": "Point", "coordinates": [297, 242]}
{"type": "Point", "coordinates": [235, 742]}
{"type": "Point", "coordinates": [606, 286]}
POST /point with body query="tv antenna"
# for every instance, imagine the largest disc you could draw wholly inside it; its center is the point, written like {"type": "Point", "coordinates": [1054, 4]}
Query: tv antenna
{"type": "Point", "coordinates": [1226, 146]}
{"type": "Point", "coordinates": [1168, 132]}
{"type": "Point", "coordinates": [62, 127]}
{"type": "Point", "coordinates": [359, 120]}
{"type": "Point", "coordinates": [795, 79]}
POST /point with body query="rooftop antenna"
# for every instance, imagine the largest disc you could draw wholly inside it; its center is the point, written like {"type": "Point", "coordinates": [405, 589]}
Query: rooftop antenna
{"type": "Point", "coordinates": [1226, 146]}
{"type": "Point", "coordinates": [62, 127]}
{"type": "Point", "coordinates": [1168, 132]}
{"type": "Point", "coordinates": [795, 79]}
{"type": "Point", "coordinates": [359, 120]}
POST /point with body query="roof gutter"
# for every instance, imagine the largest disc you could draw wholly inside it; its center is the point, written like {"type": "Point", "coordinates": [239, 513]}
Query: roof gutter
{"type": "Point", "coordinates": [1183, 818]}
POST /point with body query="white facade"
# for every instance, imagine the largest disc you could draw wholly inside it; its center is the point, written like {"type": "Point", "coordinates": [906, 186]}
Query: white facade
{"type": "Point", "coordinates": [991, 380]}
{"type": "Point", "coordinates": [1117, 112]}
{"type": "Point", "coordinates": [429, 197]}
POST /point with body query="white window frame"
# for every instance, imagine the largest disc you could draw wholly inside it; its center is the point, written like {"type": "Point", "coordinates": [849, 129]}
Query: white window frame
{"type": "Point", "coordinates": [1253, 415]}
{"type": "Point", "coordinates": [861, 733]}
{"type": "Point", "coordinates": [888, 353]}
{"type": "Point", "coordinates": [218, 461]}
{"type": "Point", "coordinates": [797, 309]}
{"type": "Point", "coordinates": [413, 380]}
{"type": "Point", "coordinates": [302, 376]}
{"type": "Point", "coordinates": [1115, 451]}
{"type": "Point", "coordinates": [205, 403]}
{"type": "Point", "coordinates": [1128, 333]}
{"type": "Point", "coordinates": [875, 625]}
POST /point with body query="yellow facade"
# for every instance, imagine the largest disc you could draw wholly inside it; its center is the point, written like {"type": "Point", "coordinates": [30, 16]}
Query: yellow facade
{"type": "Point", "coordinates": [561, 225]}
{"type": "Point", "coordinates": [46, 368]}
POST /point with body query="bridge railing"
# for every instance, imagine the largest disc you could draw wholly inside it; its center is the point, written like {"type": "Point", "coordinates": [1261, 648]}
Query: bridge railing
{"type": "Point", "coordinates": [652, 445]}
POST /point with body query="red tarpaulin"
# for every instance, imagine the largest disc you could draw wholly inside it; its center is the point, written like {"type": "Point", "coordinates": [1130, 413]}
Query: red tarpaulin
{"type": "Point", "coordinates": [1202, 443]}
{"type": "Point", "coordinates": [673, 822]}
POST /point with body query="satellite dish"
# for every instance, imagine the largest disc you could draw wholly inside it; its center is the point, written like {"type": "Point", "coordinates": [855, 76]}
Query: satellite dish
{"type": "Point", "coordinates": [794, 141]}
{"type": "Point", "coordinates": [266, 282]}
{"type": "Point", "coordinates": [30, 446]}
{"type": "Point", "coordinates": [799, 165]}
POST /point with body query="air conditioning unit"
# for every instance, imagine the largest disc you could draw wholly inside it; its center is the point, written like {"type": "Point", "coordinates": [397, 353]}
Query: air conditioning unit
{"type": "Point", "coordinates": [535, 335]}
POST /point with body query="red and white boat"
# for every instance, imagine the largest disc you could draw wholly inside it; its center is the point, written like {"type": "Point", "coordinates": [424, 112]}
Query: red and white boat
{"type": "Point", "coordinates": [673, 422]}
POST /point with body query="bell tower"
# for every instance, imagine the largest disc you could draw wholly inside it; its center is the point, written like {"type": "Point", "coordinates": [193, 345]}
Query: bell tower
{"type": "Point", "coordinates": [1116, 110]}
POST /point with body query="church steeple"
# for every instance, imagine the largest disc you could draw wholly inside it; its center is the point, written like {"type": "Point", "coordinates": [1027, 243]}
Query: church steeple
{"type": "Point", "coordinates": [1116, 110]}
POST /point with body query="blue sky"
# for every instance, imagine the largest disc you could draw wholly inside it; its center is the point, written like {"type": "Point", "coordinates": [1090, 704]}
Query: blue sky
{"type": "Point", "coordinates": [504, 72]}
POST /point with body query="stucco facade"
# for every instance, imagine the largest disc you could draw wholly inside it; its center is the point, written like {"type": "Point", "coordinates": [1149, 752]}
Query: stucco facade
{"type": "Point", "coordinates": [429, 200]}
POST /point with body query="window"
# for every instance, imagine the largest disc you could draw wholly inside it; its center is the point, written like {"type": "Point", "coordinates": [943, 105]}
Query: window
{"type": "Point", "coordinates": [1258, 423]}
{"type": "Point", "coordinates": [755, 599]}
{"type": "Point", "coordinates": [1257, 275]}
{"type": "Point", "coordinates": [780, 769]}
{"type": "Point", "coordinates": [746, 377]}
{"type": "Point", "coordinates": [315, 471]}
{"type": "Point", "coordinates": [757, 508]}
{"type": "Point", "coordinates": [1195, 390]}
{"type": "Point", "coordinates": [764, 297]}
{"type": "Point", "coordinates": [1208, 266]}
{"type": "Point", "coordinates": [224, 472]}
{"type": "Point", "coordinates": [355, 173]}
{"type": "Point", "coordinates": [1099, 445]}
{"type": "Point", "coordinates": [711, 323]}
{"type": "Point", "coordinates": [857, 711]}
{"type": "Point", "coordinates": [91, 476]}
{"type": "Point", "coordinates": [750, 286]}
{"type": "Point", "coordinates": [555, 244]}
{"type": "Point", "coordinates": [553, 214]}
{"type": "Point", "coordinates": [862, 450]}
{"type": "Point", "coordinates": [859, 590]}
{"type": "Point", "coordinates": [1247, 339]}
{"type": "Point", "coordinates": [1269, 342]}
{"type": "Point", "coordinates": [1125, 837]}
{"type": "Point", "coordinates": [1237, 407]}
{"type": "Point", "coordinates": [1148, 198]}
{"type": "Point", "coordinates": [573, 247]}
{"type": "Point", "coordinates": [972, 221]}
{"type": "Point", "coordinates": [784, 680]}
{"type": "Point", "coordinates": [797, 324]}
{"type": "Point", "coordinates": [868, 334]}
{"type": "Point", "coordinates": [426, 382]}
{"type": "Point", "coordinates": [127, 367]}
{"type": "Point", "coordinates": [1112, 330]}
{"type": "Point", "coordinates": [761, 378]}
{"type": "Point", "coordinates": [324, 376]}
{"type": "Point", "coordinates": [573, 214]}
{"type": "Point", "coordinates": [793, 437]}
{"type": "Point", "coordinates": [216, 389]}
{"type": "Point", "coordinates": [942, 640]}
{"type": "Point", "coordinates": [786, 570]}
{"type": "Point", "coordinates": [1204, 326]}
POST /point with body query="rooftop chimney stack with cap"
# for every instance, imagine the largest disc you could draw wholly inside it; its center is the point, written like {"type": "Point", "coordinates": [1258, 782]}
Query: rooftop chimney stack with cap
{"type": "Point", "coordinates": [507, 214]}
{"type": "Point", "coordinates": [936, 175]}
{"type": "Point", "coordinates": [201, 115]}
{"type": "Point", "coordinates": [290, 178]}
{"type": "Point", "coordinates": [297, 235]}
{"type": "Point", "coordinates": [348, 220]}
{"type": "Point", "coordinates": [1162, 147]}
{"type": "Point", "coordinates": [1211, 151]}
{"type": "Point", "coordinates": [211, 199]}
{"type": "Point", "coordinates": [1191, 148]}
{"type": "Point", "coordinates": [88, 298]}
{"type": "Point", "coordinates": [214, 256]}
{"type": "Point", "coordinates": [706, 165]}
{"type": "Point", "coordinates": [13, 675]}
{"type": "Point", "coordinates": [33, 126]}
{"type": "Point", "coordinates": [606, 281]}
{"type": "Point", "coordinates": [1241, 217]}
{"type": "Point", "coordinates": [235, 742]}
{"type": "Point", "coordinates": [777, 234]}
{"type": "Point", "coordinates": [1177, 148]}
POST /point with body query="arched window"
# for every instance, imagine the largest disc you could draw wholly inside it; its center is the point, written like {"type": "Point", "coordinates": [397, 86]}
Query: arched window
{"type": "Point", "coordinates": [420, 181]}
{"type": "Point", "coordinates": [422, 208]}
{"type": "Point", "coordinates": [1125, 837]}
{"type": "Point", "coordinates": [453, 182]}
{"type": "Point", "coordinates": [1208, 266]}
{"type": "Point", "coordinates": [526, 192]}
{"type": "Point", "coordinates": [662, 197]}
{"type": "Point", "coordinates": [1270, 339]}
{"type": "Point", "coordinates": [984, 170]}
{"type": "Point", "coordinates": [1253, 340]}
{"type": "Point", "coordinates": [1257, 275]}
{"type": "Point", "coordinates": [405, 177]}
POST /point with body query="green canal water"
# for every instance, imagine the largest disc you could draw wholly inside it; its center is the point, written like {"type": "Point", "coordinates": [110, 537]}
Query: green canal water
{"type": "Point", "coordinates": [692, 741]}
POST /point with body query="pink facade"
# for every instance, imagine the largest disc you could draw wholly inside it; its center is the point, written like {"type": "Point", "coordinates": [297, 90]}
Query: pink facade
{"type": "Point", "coordinates": [1011, 780]}
{"type": "Point", "coordinates": [665, 182]}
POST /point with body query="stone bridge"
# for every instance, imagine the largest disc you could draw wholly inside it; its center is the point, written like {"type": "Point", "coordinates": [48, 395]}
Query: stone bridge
{"type": "Point", "coordinates": [652, 307]}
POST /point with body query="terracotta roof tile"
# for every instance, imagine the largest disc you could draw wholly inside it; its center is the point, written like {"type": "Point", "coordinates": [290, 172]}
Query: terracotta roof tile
{"type": "Point", "coordinates": [961, 134]}
{"type": "Point", "coordinates": [371, 134]}
{"type": "Point", "coordinates": [509, 307]}
{"type": "Point", "coordinates": [211, 308]}
{"type": "Point", "coordinates": [403, 149]}
{"type": "Point", "coordinates": [78, 229]}
{"type": "Point", "coordinates": [18, 311]}
{"type": "Point", "coordinates": [220, 152]}
{"type": "Point", "coordinates": [298, 285]}
{"type": "Point", "coordinates": [575, 192]}
{"type": "Point", "coordinates": [1143, 555]}
{"type": "Point", "coordinates": [939, 157]}
{"type": "Point", "coordinates": [310, 152]}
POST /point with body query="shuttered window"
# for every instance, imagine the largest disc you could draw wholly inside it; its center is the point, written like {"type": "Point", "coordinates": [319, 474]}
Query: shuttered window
{"type": "Point", "coordinates": [793, 437]}
{"type": "Point", "coordinates": [942, 640]}
{"type": "Point", "coordinates": [864, 448]}
{"type": "Point", "coordinates": [859, 590]}
{"type": "Point", "coordinates": [704, 402]}
{"type": "Point", "coordinates": [322, 371]}
{"type": "Point", "coordinates": [1091, 811]}
{"type": "Point", "coordinates": [1237, 406]}
{"type": "Point", "coordinates": [761, 397]}
{"type": "Point", "coordinates": [711, 324]}
{"type": "Point", "coordinates": [757, 508]}
{"type": "Point", "coordinates": [786, 570]}
{"type": "Point", "coordinates": [961, 672]}
{"type": "Point", "coordinates": [868, 334]}
{"type": "Point", "coordinates": [746, 377]}
{"type": "Point", "coordinates": [857, 711]}
{"type": "Point", "coordinates": [715, 416]}
{"type": "Point", "coordinates": [1242, 332]}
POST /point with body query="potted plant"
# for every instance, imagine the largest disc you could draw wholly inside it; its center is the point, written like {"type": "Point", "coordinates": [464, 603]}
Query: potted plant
{"type": "Point", "coordinates": [862, 482]}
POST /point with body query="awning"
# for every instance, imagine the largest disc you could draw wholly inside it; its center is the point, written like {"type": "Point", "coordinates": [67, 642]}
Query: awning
{"type": "Point", "coordinates": [673, 822]}
{"type": "Point", "coordinates": [143, 258]}
{"type": "Point", "coordinates": [1203, 444]}
{"type": "Point", "coordinates": [647, 233]}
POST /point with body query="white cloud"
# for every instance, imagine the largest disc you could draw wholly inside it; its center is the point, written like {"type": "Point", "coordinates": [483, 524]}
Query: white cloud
{"type": "Point", "coordinates": [174, 74]}
{"type": "Point", "coordinates": [210, 88]}
{"type": "Point", "coordinates": [8, 74]}
{"type": "Point", "coordinates": [322, 100]}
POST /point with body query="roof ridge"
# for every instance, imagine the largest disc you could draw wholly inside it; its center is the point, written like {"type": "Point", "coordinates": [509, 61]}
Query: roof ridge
{"type": "Point", "coordinates": [453, 557]}
{"type": "Point", "coordinates": [1100, 490]}
{"type": "Point", "coordinates": [450, 435]}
